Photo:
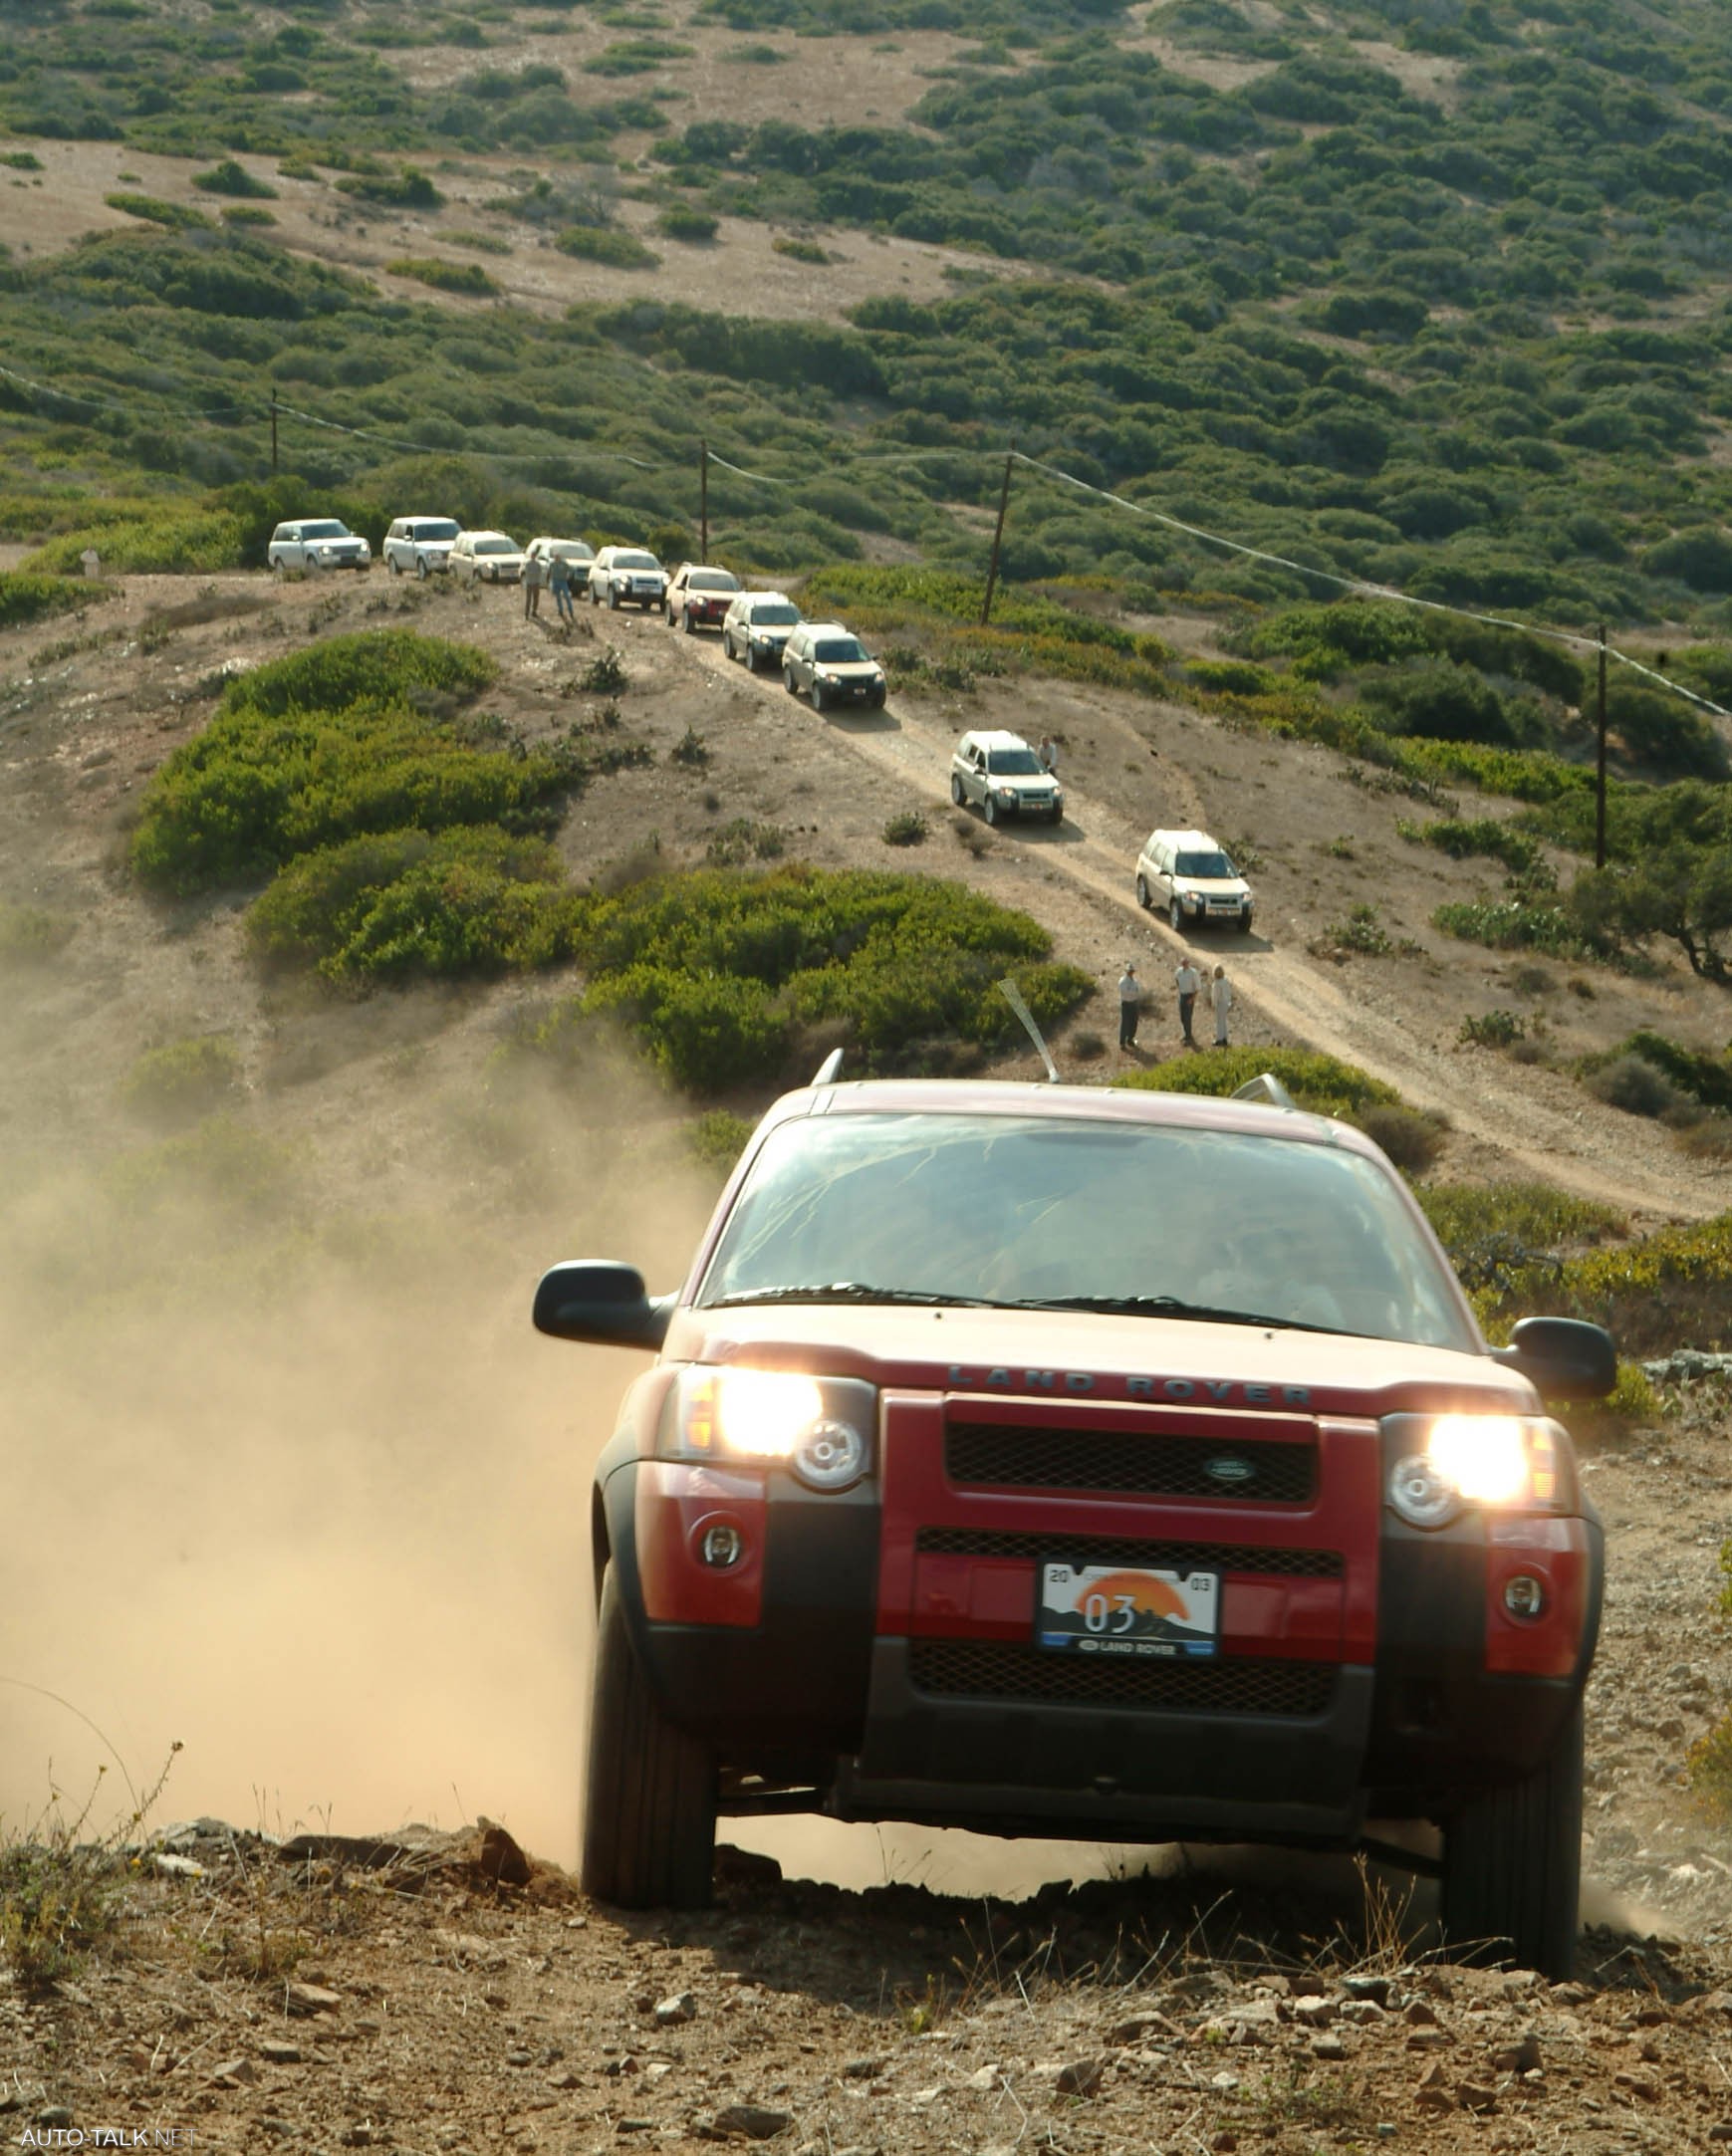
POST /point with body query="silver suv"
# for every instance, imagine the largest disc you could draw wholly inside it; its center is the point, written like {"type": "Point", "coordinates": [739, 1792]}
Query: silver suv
{"type": "Point", "coordinates": [420, 546]}
{"type": "Point", "coordinates": [317, 543]}
{"type": "Point", "coordinates": [756, 628]}
{"type": "Point", "coordinates": [1004, 775]}
{"type": "Point", "coordinates": [626, 577]}
{"type": "Point", "coordinates": [1194, 880]}
{"type": "Point", "coordinates": [829, 663]}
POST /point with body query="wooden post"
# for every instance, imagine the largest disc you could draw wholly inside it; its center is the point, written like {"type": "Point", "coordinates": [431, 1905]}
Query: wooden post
{"type": "Point", "coordinates": [273, 429]}
{"type": "Point", "coordinates": [703, 501]}
{"type": "Point", "coordinates": [998, 535]}
{"type": "Point", "coordinates": [1600, 766]}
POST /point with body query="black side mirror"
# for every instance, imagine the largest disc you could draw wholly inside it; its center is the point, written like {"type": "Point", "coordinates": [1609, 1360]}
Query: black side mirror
{"type": "Point", "coordinates": [1566, 1358]}
{"type": "Point", "coordinates": [601, 1301]}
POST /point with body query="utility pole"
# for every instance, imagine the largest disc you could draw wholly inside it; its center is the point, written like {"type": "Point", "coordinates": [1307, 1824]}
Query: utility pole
{"type": "Point", "coordinates": [1600, 766]}
{"type": "Point", "coordinates": [998, 535]}
{"type": "Point", "coordinates": [703, 501]}
{"type": "Point", "coordinates": [273, 430]}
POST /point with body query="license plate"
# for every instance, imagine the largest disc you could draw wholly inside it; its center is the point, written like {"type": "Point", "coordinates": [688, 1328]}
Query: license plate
{"type": "Point", "coordinates": [1116, 1609]}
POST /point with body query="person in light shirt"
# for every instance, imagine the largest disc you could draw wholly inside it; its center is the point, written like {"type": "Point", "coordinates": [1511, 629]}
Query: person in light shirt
{"type": "Point", "coordinates": [1188, 981]}
{"type": "Point", "coordinates": [1130, 1005]}
{"type": "Point", "coordinates": [1221, 997]}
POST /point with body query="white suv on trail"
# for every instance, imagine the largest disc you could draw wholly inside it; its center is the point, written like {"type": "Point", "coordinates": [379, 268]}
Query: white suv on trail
{"type": "Point", "coordinates": [418, 546]}
{"type": "Point", "coordinates": [317, 543]}
{"type": "Point", "coordinates": [1004, 775]}
{"type": "Point", "coordinates": [757, 626]}
{"type": "Point", "coordinates": [486, 558]}
{"type": "Point", "coordinates": [1193, 878]}
{"type": "Point", "coordinates": [626, 577]}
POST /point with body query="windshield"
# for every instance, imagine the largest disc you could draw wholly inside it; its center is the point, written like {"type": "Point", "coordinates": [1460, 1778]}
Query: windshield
{"type": "Point", "coordinates": [1009, 1209]}
{"type": "Point", "coordinates": [775, 610]}
{"type": "Point", "coordinates": [636, 561]}
{"type": "Point", "coordinates": [1015, 764]}
{"type": "Point", "coordinates": [712, 579]}
{"type": "Point", "coordinates": [1206, 866]}
{"type": "Point", "coordinates": [569, 550]}
{"type": "Point", "coordinates": [496, 546]}
{"type": "Point", "coordinates": [839, 651]}
{"type": "Point", "coordinates": [331, 529]}
{"type": "Point", "coordinates": [435, 528]}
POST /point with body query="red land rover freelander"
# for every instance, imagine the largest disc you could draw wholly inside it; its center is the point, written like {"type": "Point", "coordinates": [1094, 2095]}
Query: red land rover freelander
{"type": "Point", "coordinates": [1044, 1460]}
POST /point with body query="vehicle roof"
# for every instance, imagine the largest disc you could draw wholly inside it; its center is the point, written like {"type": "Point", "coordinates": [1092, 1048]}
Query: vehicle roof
{"type": "Point", "coordinates": [430, 517]}
{"type": "Point", "coordinates": [780, 595]}
{"type": "Point", "coordinates": [1188, 838]}
{"type": "Point", "coordinates": [1092, 1104]}
{"type": "Point", "coordinates": [995, 737]}
{"type": "Point", "coordinates": [827, 628]}
{"type": "Point", "coordinates": [552, 539]}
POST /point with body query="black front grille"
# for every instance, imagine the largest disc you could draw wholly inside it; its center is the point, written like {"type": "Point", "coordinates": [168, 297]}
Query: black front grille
{"type": "Point", "coordinates": [1080, 1549]}
{"type": "Point", "coordinates": [1017, 1456]}
{"type": "Point", "coordinates": [990, 1669]}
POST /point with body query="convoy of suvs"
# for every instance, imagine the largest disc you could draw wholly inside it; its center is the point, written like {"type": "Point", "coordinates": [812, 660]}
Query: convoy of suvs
{"type": "Point", "coordinates": [1185, 873]}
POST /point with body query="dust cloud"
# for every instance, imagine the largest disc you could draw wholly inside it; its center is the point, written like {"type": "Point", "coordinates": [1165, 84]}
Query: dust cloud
{"type": "Point", "coordinates": [291, 1480]}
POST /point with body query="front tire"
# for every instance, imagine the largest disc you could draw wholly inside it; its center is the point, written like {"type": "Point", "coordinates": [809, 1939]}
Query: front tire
{"type": "Point", "coordinates": [394, 566]}
{"type": "Point", "coordinates": [989, 808]}
{"type": "Point", "coordinates": [957, 792]}
{"type": "Point", "coordinates": [1142, 892]}
{"type": "Point", "coordinates": [1512, 1867]}
{"type": "Point", "coordinates": [421, 568]}
{"type": "Point", "coordinates": [613, 600]}
{"type": "Point", "coordinates": [819, 699]}
{"type": "Point", "coordinates": [649, 1795]}
{"type": "Point", "coordinates": [1175, 914]}
{"type": "Point", "coordinates": [788, 682]}
{"type": "Point", "coordinates": [690, 624]}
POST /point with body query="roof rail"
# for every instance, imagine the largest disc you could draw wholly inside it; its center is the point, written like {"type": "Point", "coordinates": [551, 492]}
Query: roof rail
{"type": "Point", "coordinates": [827, 1069]}
{"type": "Point", "coordinates": [1268, 1087]}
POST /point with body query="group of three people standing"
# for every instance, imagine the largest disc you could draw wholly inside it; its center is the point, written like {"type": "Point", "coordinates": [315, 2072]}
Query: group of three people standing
{"type": "Point", "coordinates": [1189, 983]}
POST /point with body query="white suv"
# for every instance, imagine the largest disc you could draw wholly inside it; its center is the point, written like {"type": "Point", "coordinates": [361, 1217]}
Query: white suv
{"type": "Point", "coordinates": [577, 554]}
{"type": "Point", "coordinates": [829, 663]}
{"type": "Point", "coordinates": [757, 626]}
{"type": "Point", "coordinates": [317, 543]}
{"type": "Point", "coordinates": [1194, 878]}
{"type": "Point", "coordinates": [420, 545]}
{"type": "Point", "coordinates": [486, 558]}
{"type": "Point", "coordinates": [626, 577]}
{"type": "Point", "coordinates": [1001, 771]}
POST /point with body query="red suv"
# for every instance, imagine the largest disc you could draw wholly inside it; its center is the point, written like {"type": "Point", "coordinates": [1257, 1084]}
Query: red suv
{"type": "Point", "coordinates": [1064, 1462]}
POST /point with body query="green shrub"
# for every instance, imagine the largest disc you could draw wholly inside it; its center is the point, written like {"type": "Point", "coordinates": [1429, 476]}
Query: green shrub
{"type": "Point", "coordinates": [1671, 1290]}
{"type": "Point", "coordinates": [1362, 934]}
{"type": "Point", "coordinates": [168, 542]}
{"type": "Point", "coordinates": [1708, 1765]}
{"type": "Point", "coordinates": [909, 828]}
{"type": "Point", "coordinates": [743, 841]}
{"type": "Point", "coordinates": [176, 216]}
{"type": "Point", "coordinates": [1320, 1083]}
{"type": "Point", "coordinates": [604, 243]}
{"type": "Point", "coordinates": [411, 905]}
{"type": "Point", "coordinates": [408, 189]}
{"type": "Point", "coordinates": [1706, 1079]}
{"type": "Point", "coordinates": [1531, 1217]}
{"type": "Point", "coordinates": [31, 933]}
{"type": "Point", "coordinates": [383, 665]}
{"type": "Point", "coordinates": [719, 1138]}
{"type": "Point", "coordinates": [797, 250]}
{"type": "Point", "coordinates": [28, 595]}
{"type": "Point", "coordinates": [1479, 836]}
{"type": "Point", "coordinates": [231, 178]}
{"type": "Point", "coordinates": [717, 968]}
{"type": "Point", "coordinates": [466, 277]}
{"type": "Point", "coordinates": [184, 1080]}
{"type": "Point", "coordinates": [1411, 1138]}
{"type": "Point", "coordinates": [21, 160]}
{"type": "Point", "coordinates": [247, 213]}
{"type": "Point", "coordinates": [1515, 924]}
{"type": "Point", "coordinates": [1494, 1028]}
{"type": "Point", "coordinates": [691, 750]}
{"type": "Point", "coordinates": [680, 222]}
{"type": "Point", "coordinates": [1632, 1084]}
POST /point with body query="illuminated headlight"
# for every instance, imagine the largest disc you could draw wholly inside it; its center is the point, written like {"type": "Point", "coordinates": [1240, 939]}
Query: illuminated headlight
{"type": "Point", "coordinates": [818, 1427]}
{"type": "Point", "coordinates": [1442, 1465]}
{"type": "Point", "coordinates": [1191, 900]}
{"type": "Point", "coordinates": [1007, 793]}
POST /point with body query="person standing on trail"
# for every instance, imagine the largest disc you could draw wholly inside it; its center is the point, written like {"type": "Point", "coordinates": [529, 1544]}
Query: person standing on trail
{"type": "Point", "coordinates": [1048, 752]}
{"type": "Point", "coordinates": [1130, 1005]}
{"type": "Point", "coordinates": [1221, 996]}
{"type": "Point", "coordinates": [1188, 982]}
{"type": "Point", "coordinates": [531, 589]}
{"type": "Point", "coordinates": [558, 577]}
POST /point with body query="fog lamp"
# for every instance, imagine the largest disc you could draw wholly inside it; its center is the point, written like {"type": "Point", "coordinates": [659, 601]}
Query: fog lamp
{"type": "Point", "coordinates": [1524, 1595]}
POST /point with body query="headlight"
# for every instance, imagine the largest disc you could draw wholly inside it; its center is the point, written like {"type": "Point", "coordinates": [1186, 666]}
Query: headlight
{"type": "Point", "coordinates": [1007, 793]}
{"type": "Point", "coordinates": [819, 1427]}
{"type": "Point", "coordinates": [1441, 1465]}
{"type": "Point", "coordinates": [1191, 900]}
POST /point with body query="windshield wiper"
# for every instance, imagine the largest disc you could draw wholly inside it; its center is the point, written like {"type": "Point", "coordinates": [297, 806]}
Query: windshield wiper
{"type": "Point", "coordinates": [1166, 1307]}
{"type": "Point", "coordinates": [851, 1290]}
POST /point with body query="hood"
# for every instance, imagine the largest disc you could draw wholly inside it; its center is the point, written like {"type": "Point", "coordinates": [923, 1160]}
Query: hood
{"type": "Point", "coordinates": [1053, 1354]}
{"type": "Point", "coordinates": [1213, 887]}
